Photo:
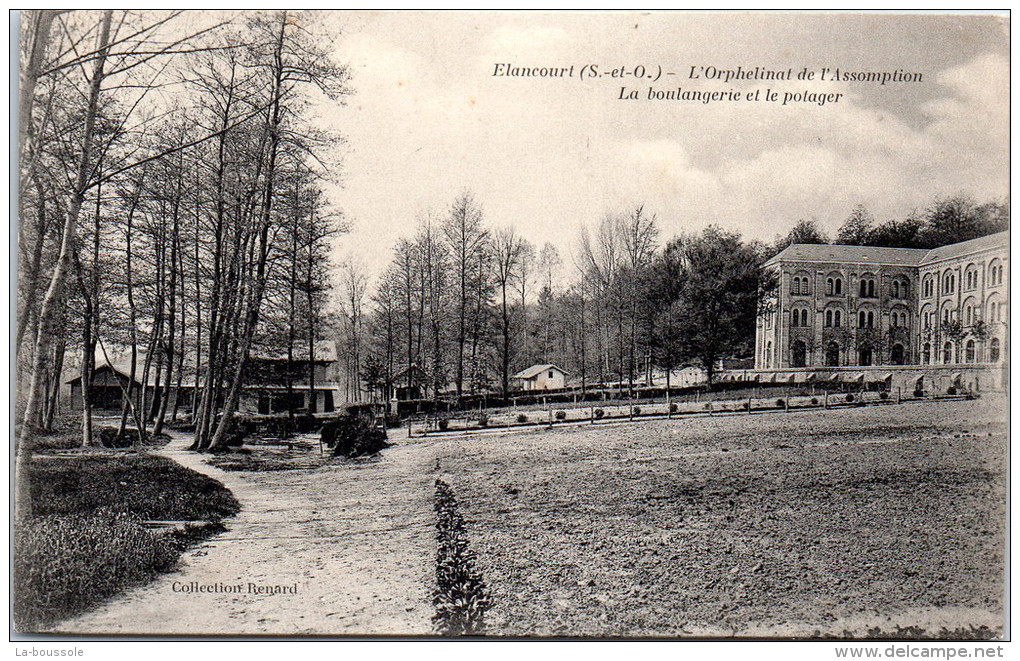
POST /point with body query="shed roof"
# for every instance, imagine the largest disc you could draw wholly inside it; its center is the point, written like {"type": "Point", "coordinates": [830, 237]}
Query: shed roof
{"type": "Point", "coordinates": [535, 370]}
{"type": "Point", "coordinates": [124, 370]}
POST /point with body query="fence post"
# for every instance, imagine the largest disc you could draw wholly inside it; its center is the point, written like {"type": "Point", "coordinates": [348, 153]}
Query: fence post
{"type": "Point", "coordinates": [825, 400]}
{"type": "Point", "coordinates": [898, 393]}
{"type": "Point", "coordinates": [786, 403]}
{"type": "Point", "coordinates": [748, 406]}
{"type": "Point", "coordinates": [593, 415]}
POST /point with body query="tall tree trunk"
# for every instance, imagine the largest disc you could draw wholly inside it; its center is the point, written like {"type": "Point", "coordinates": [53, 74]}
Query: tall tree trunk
{"type": "Point", "coordinates": [55, 292]}
{"type": "Point", "coordinates": [175, 239]}
{"type": "Point", "coordinates": [254, 301]}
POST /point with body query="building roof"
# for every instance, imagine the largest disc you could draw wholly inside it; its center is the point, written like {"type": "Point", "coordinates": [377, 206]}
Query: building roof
{"type": "Point", "coordinates": [124, 369]}
{"type": "Point", "coordinates": [535, 370]}
{"type": "Point", "coordinates": [954, 250]}
{"type": "Point", "coordinates": [823, 252]}
{"type": "Point", "coordinates": [417, 373]}
{"type": "Point", "coordinates": [810, 252]}
{"type": "Point", "coordinates": [325, 352]}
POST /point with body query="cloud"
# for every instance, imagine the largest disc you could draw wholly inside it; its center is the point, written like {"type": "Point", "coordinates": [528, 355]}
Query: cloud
{"type": "Point", "coordinates": [429, 121]}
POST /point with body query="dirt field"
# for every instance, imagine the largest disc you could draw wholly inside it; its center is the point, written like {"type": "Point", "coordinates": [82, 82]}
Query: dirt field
{"type": "Point", "coordinates": [823, 523]}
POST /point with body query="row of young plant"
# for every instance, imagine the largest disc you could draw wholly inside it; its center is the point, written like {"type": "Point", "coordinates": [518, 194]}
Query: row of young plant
{"type": "Point", "coordinates": [460, 598]}
{"type": "Point", "coordinates": [561, 415]}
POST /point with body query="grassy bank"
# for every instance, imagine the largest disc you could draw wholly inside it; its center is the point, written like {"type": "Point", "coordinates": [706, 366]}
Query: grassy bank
{"type": "Point", "coordinates": [85, 541]}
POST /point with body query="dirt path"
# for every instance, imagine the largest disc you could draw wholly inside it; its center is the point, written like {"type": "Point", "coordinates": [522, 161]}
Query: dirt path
{"type": "Point", "coordinates": [355, 542]}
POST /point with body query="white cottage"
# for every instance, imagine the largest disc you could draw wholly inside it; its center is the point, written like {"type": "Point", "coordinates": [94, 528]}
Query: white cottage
{"type": "Point", "coordinates": [541, 377]}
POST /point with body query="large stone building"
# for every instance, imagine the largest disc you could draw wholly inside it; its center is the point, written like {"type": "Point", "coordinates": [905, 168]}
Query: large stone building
{"type": "Point", "coordinates": [841, 306]}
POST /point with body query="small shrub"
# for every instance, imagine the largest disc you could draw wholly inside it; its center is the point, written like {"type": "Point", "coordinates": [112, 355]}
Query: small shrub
{"type": "Point", "coordinates": [673, 408]}
{"type": "Point", "coordinates": [444, 424]}
{"type": "Point", "coordinates": [599, 414]}
{"type": "Point", "coordinates": [522, 418]}
{"type": "Point", "coordinates": [780, 403]}
{"type": "Point", "coordinates": [814, 401]}
{"type": "Point", "coordinates": [636, 410]}
{"type": "Point", "coordinates": [561, 415]}
{"type": "Point", "coordinates": [353, 436]}
{"type": "Point", "coordinates": [746, 406]}
{"type": "Point", "coordinates": [883, 395]}
{"type": "Point", "coordinates": [110, 438]}
{"type": "Point", "coordinates": [483, 420]}
{"type": "Point", "coordinates": [849, 397]}
{"type": "Point", "coordinates": [708, 406]}
{"type": "Point", "coordinates": [951, 390]}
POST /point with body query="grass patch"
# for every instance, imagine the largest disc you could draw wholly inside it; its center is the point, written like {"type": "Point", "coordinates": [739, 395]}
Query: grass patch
{"type": "Point", "coordinates": [85, 542]}
{"type": "Point", "coordinates": [143, 485]}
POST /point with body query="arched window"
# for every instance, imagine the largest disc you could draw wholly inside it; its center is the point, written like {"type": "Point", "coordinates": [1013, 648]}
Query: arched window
{"type": "Point", "coordinates": [795, 287]}
{"type": "Point", "coordinates": [768, 354]}
{"type": "Point", "coordinates": [867, 288]}
{"type": "Point", "coordinates": [993, 350]}
{"type": "Point", "coordinates": [927, 286]}
{"type": "Point", "coordinates": [926, 353]}
{"type": "Point", "coordinates": [864, 356]}
{"type": "Point", "coordinates": [896, 355]}
{"type": "Point", "coordinates": [947, 353]}
{"type": "Point", "coordinates": [837, 319]}
{"type": "Point", "coordinates": [896, 289]}
{"type": "Point", "coordinates": [871, 320]}
{"type": "Point", "coordinates": [829, 291]}
{"type": "Point", "coordinates": [894, 320]}
{"type": "Point", "coordinates": [804, 318]}
{"type": "Point", "coordinates": [839, 286]}
{"type": "Point", "coordinates": [995, 273]}
{"type": "Point", "coordinates": [948, 283]}
{"type": "Point", "coordinates": [969, 315]}
{"type": "Point", "coordinates": [904, 289]}
{"type": "Point", "coordinates": [861, 318]}
{"type": "Point", "coordinates": [970, 351]}
{"type": "Point", "coordinates": [828, 318]}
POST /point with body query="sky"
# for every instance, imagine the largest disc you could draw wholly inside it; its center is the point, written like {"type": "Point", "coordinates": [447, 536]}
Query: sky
{"type": "Point", "coordinates": [427, 120]}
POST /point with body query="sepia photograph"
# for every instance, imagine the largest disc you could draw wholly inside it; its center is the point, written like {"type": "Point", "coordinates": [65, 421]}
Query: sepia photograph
{"type": "Point", "coordinates": [511, 325]}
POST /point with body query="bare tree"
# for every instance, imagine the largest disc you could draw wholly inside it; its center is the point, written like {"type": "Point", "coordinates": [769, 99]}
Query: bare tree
{"type": "Point", "coordinates": [510, 251]}
{"type": "Point", "coordinates": [467, 240]}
